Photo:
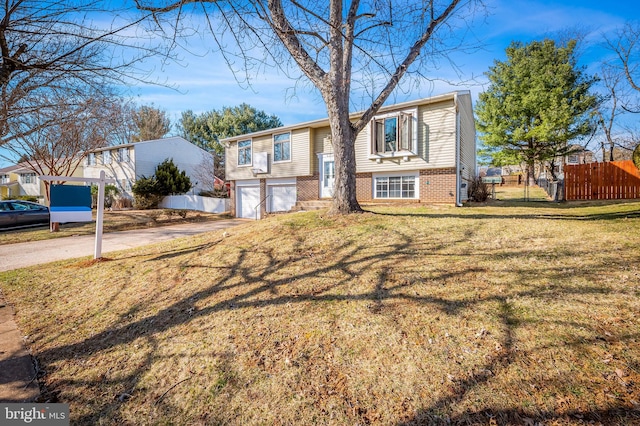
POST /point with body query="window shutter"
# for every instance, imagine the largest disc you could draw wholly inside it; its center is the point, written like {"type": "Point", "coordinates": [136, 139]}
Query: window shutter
{"type": "Point", "coordinates": [379, 136]}
{"type": "Point", "coordinates": [405, 132]}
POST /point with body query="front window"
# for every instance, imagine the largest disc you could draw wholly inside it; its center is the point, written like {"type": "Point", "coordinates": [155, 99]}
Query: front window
{"type": "Point", "coordinates": [4, 178]}
{"type": "Point", "coordinates": [91, 159]}
{"type": "Point", "coordinates": [28, 178]}
{"type": "Point", "coordinates": [573, 159]}
{"type": "Point", "coordinates": [123, 155]}
{"type": "Point", "coordinates": [282, 147]}
{"type": "Point", "coordinates": [395, 186]}
{"type": "Point", "coordinates": [106, 157]}
{"type": "Point", "coordinates": [244, 153]}
{"type": "Point", "coordinates": [393, 133]}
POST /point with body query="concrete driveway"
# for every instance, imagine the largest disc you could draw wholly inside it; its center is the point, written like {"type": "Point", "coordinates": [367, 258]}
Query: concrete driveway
{"type": "Point", "coordinates": [21, 255]}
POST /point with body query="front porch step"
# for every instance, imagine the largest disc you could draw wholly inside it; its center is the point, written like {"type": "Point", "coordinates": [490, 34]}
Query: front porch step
{"type": "Point", "coordinates": [311, 205]}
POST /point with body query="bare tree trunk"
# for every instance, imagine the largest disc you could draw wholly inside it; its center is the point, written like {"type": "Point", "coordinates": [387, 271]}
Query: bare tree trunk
{"type": "Point", "coordinates": [344, 193]}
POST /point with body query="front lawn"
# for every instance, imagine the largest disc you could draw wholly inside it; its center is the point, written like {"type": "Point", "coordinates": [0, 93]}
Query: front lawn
{"type": "Point", "coordinates": [497, 314]}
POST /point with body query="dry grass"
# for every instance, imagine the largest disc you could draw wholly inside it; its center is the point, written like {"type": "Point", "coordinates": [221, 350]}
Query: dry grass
{"type": "Point", "coordinates": [117, 220]}
{"type": "Point", "coordinates": [407, 315]}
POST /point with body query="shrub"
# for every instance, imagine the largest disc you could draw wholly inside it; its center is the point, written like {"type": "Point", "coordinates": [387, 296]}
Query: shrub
{"type": "Point", "coordinates": [110, 193]}
{"type": "Point", "coordinates": [478, 190]}
{"type": "Point", "coordinates": [145, 192]}
{"type": "Point", "coordinates": [167, 180]}
{"type": "Point", "coordinates": [170, 180]}
{"type": "Point", "coordinates": [146, 202]}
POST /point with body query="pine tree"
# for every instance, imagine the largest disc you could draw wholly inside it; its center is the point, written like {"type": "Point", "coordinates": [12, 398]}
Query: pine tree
{"type": "Point", "coordinates": [170, 180]}
{"type": "Point", "coordinates": [538, 100]}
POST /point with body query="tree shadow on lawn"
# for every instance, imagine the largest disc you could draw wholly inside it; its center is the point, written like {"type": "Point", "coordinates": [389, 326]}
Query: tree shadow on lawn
{"type": "Point", "coordinates": [546, 216]}
{"type": "Point", "coordinates": [259, 288]}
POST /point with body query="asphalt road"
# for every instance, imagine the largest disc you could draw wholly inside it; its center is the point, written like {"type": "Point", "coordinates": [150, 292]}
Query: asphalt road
{"type": "Point", "coordinates": [21, 255]}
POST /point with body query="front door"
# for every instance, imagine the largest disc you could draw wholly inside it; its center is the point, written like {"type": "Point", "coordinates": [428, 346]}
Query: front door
{"type": "Point", "coordinates": [327, 175]}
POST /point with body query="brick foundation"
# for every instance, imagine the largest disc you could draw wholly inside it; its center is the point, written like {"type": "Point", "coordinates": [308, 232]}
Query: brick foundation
{"type": "Point", "coordinates": [307, 188]}
{"type": "Point", "coordinates": [438, 186]}
{"type": "Point", "coordinates": [364, 183]}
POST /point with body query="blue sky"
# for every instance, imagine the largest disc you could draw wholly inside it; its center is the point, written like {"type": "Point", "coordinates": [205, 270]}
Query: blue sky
{"type": "Point", "coordinates": [204, 82]}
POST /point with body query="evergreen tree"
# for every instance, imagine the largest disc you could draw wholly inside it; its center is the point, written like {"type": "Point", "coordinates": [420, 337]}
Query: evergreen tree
{"type": "Point", "coordinates": [205, 130]}
{"type": "Point", "coordinates": [537, 101]}
{"type": "Point", "coordinates": [171, 180]}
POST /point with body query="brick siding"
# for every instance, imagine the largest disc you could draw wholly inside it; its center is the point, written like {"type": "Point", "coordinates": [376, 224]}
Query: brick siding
{"type": "Point", "coordinates": [232, 198]}
{"type": "Point", "coordinates": [364, 184]}
{"type": "Point", "coordinates": [307, 187]}
{"type": "Point", "coordinates": [438, 186]}
{"type": "Point", "coordinates": [263, 200]}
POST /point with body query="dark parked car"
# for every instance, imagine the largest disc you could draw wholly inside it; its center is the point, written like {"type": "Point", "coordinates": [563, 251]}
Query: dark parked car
{"type": "Point", "coordinates": [19, 214]}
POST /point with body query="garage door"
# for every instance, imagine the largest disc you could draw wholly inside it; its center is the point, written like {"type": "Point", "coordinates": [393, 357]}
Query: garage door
{"type": "Point", "coordinates": [282, 198]}
{"type": "Point", "coordinates": [247, 200]}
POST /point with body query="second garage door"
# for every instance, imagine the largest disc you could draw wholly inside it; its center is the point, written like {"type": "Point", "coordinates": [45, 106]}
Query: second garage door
{"type": "Point", "coordinates": [282, 198]}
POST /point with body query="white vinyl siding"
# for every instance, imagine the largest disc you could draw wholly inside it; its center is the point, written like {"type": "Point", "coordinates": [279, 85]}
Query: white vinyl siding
{"type": "Point", "coordinates": [300, 164]}
{"type": "Point", "coordinates": [435, 143]}
{"type": "Point", "coordinates": [147, 155]}
{"type": "Point", "coordinates": [467, 144]}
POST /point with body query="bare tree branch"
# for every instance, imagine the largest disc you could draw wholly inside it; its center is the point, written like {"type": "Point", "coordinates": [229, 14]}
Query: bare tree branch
{"type": "Point", "coordinates": [330, 43]}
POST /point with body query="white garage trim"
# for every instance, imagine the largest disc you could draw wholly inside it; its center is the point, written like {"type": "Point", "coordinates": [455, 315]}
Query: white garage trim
{"type": "Point", "coordinates": [248, 182]}
{"type": "Point", "coordinates": [281, 181]}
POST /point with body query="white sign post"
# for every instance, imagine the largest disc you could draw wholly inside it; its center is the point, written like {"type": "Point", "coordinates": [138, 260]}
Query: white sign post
{"type": "Point", "coordinates": [101, 181]}
{"type": "Point", "coordinates": [97, 253]}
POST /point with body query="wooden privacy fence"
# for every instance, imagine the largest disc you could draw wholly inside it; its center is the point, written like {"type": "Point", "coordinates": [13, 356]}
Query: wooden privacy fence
{"type": "Point", "coordinates": [615, 180]}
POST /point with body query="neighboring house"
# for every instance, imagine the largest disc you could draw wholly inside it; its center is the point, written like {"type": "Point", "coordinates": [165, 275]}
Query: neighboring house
{"type": "Point", "coordinates": [9, 182]}
{"type": "Point", "coordinates": [128, 162]}
{"type": "Point", "coordinates": [577, 155]}
{"type": "Point", "coordinates": [20, 180]}
{"type": "Point", "coordinates": [419, 151]}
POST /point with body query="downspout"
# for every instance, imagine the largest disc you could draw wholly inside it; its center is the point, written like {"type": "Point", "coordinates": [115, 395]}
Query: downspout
{"type": "Point", "coordinates": [458, 168]}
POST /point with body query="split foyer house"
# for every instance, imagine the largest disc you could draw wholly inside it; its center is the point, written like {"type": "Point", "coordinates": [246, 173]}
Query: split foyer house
{"type": "Point", "coordinates": [128, 162]}
{"type": "Point", "coordinates": [418, 151]}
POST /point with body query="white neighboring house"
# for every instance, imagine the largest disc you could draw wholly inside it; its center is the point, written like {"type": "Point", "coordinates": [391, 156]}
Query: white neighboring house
{"type": "Point", "coordinates": [128, 162]}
